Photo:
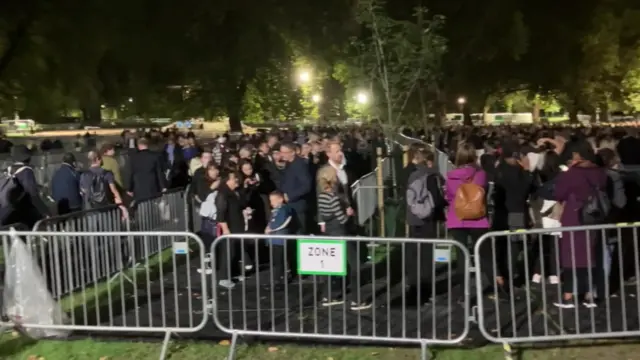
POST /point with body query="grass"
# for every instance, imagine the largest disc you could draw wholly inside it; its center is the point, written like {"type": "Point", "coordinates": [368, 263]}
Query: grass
{"type": "Point", "coordinates": [17, 348]}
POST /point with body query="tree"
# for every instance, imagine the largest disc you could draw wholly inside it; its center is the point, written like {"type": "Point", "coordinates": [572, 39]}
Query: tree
{"type": "Point", "coordinates": [397, 55]}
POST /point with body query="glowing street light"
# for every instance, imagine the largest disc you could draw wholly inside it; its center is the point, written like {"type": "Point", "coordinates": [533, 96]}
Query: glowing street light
{"type": "Point", "coordinates": [462, 100]}
{"type": "Point", "coordinates": [316, 98]}
{"type": "Point", "coordinates": [103, 106]}
{"type": "Point", "coordinates": [304, 76]}
{"type": "Point", "coordinates": [130, 99]}
{"type": "Point", "coordinates": [362, 98]}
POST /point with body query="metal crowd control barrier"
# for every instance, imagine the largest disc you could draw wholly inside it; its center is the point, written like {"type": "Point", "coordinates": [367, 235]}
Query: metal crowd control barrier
{"type": "Point", "coordinates": [164, 212]}
{"type": "Point", "coordinates": [132, 303]}
{"type": "Point", "coordinates": [442, 159]}
{"type": "Point", "coordinates": [598, 295]}
{"type": "Point", "coordinates": [365, 191]}
{"type": "Point", "coordinates": [107, 219]}
{"type": "Point", "coordinates": [344, 299]}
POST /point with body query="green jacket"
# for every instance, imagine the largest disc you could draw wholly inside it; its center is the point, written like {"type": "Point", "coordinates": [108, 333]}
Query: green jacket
{"type": "Point", "coordinates": [111, 164]}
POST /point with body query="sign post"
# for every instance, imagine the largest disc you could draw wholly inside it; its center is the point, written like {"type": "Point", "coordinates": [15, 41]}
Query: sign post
{"type": "Point", "coordinates": [322, 257]}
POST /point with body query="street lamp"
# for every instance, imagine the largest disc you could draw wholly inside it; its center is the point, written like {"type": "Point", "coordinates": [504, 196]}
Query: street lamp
{"type": "Point", "coordinates": [462, 100]}
{"type": "Point", "coordinates": [130, 99]}
{"type": "Point", "coordinates": [316, 98]}
{"type": "Point", "coordinates": [304, 76]}
{"type": "Point", "coordinates": [103, 106]}
{"type": "Point", "coordinates": [362, 98]}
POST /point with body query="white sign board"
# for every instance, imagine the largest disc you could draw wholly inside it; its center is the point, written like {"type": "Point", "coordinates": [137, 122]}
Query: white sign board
{"type": "Point", "coordinates": [322, 257]}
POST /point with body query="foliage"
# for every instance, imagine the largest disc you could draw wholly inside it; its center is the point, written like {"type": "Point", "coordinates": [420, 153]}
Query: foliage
{"type": "Point", "coordinates": [240, 59]}
{"type": "Point", "coordinates": [397, 55]}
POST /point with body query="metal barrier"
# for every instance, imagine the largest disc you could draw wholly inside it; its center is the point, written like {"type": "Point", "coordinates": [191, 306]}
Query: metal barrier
{"type": "Point", "coordinates": [132, 303]}
{"type": "Point", "coordinates": [365, 190]}
{"type": "Point", "coordinates": [108, 219]}
{"type": "Point", "coordinates": [593, 300]}
{"type": "Point", "coordinates": [442, 159]}
{"type": "Point", "coordinates": [165, 212]}
{"type": "Point", "coordinates": [342, 299]}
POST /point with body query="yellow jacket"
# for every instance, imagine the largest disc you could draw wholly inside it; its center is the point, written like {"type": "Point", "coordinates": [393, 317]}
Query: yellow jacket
{"type": "Point", "coordinates": [111, 164]}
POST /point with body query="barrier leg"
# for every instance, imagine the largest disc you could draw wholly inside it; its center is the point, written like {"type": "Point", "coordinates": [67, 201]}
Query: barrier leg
{"type": "Point", "coordinates": [424, 351]}
{"type": "Point", "coordinates": [165, 345]}
{"type": "Point", "coordinates": [507, 351]}
{"type": "Point", "coordinates": [232, 346]}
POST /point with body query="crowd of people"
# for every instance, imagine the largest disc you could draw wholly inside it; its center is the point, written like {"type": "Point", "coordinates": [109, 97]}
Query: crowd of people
{"type": "Point", "coordinates": [260, 183]}
{"type": "Point", "coordinates": [513, 178]}
{"type": "Point", "coordinates": [299, 182]}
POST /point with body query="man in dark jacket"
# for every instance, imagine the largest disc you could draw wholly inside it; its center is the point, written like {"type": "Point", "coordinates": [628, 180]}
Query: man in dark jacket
{"type": "Point", "coordinates": [65, 186]}
{"type": "Point", "coordinates": [175, 163]}
{"type": "Point", "coordinates": [200, 185]}
{"type": "Point", "coordinates": [295, 184]}
{"type": "Point", "coordinates": [30, 208]}
{"type": "Point", "coordinates": [146, 179]}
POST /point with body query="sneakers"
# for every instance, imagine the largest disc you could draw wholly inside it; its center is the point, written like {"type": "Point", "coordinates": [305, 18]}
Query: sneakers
{"type": "Point", "coordinates": [228, 284]}
{"type": "Point", "coordinates": [331, 302]}
{"type": "Point", "coordinates": [565, 304]}
{"type": "Point", "coordinates": [353, 305]}
{"type": "Point", "coordinates": [570, 304]}
{"type": "Point", "coordinates": [360, 306]}
{"type": "Point", "coordinates": [552, 280]}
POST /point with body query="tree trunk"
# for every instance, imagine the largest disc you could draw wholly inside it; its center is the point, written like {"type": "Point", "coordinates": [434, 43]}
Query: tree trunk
{"type": "Point", "coordinates": [466, 115]}
{"type": "Point", "coordinates": [604, 112]}
{"type": "Point", "coordinates": [573, 115]}
{"type": "Point", "coordinates": [423, 105]}
{"type": "Point", "coordinates": [440, 106]}
{"type": "Point", "coordinates": [485, 113]}
{"type": "Point", "coordinates": [92, 114]}
{"type": "Point", "coordinates": [535, 113]}
{"type": "Point", "coordinates": [235, 105]}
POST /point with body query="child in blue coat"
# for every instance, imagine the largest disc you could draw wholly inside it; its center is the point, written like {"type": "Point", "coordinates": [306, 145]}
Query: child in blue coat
{"type": "Point", "coordinates": [279, 224]}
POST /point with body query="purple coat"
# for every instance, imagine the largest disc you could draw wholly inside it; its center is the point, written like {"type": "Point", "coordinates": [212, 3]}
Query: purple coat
{"type": "Point", "coordinates": [573, 188]}
{"type": "Point", "coordinates": [454, 179]}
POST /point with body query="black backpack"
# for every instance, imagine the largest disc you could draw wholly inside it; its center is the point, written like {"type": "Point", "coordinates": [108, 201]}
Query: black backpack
{"type": "Point", "coordinates": [11, 191]}
{"type": "Point", "coordinates": [98, 191]}
{"type": "Point", "coordinates": [596, 209]}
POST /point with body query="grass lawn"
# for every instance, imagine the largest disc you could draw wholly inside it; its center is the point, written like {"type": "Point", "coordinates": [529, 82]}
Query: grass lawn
{"type": "Point", "coordinates": [16, 348]}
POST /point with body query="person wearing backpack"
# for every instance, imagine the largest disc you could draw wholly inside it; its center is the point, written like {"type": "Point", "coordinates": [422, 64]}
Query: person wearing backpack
{"type": "Point", "coordinates": [467, 213]}
{"type": "Point", "coordinates": [98, 186]}
{"type": "Point", "coordinates": [425, 208]}
{"type": "Point", "coordinates": [582, 189]}
{"type": "Point", "coordinates": [20, 200]}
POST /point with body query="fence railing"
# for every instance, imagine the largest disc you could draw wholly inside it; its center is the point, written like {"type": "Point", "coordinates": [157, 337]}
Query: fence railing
{"type": "Point", "coordinates": [164, 212]}
{"type": "Point", "coordinates": [568, 283]}
{"type": "Point", "coordinates": [442, 159]}
{"type": "Point", "coordinates": [132, 302]}
{"type": "Point", "coordinates": [527, 285]}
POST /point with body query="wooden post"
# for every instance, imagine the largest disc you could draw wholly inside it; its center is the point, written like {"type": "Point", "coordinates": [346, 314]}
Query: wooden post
{"type": "Point", "coordinates": [380, 186]}
{"type": "Point", "coordinates": [405, 163]}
